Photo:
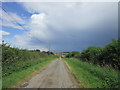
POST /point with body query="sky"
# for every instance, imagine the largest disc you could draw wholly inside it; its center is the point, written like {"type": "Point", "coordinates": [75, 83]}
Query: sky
{"type": "Point", "coordinates": [59, 26]}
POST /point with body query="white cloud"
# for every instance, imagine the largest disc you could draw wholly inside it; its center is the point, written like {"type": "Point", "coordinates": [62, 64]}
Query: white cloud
{"type": "Point", "coordinates": [38, 30]}
{"type": "Point", "coordinates": [60, 0]}
{"type": "Point", "coordinates": [11, 20]}
{"type": "Point", "coordinates": [44, 49]}
{"type": "Point", "coordinates": [4, 33]}
{"type": "Point", "coordinates": [74, 15]}
{"type": "Point", "coordinates": [64, 23]}
{"type": "Point", "coordinates": [24, 42]}
{"type": "Point", "coordinates": [38, 26]}
{"type": "Point", "coordinates": [9, 24]}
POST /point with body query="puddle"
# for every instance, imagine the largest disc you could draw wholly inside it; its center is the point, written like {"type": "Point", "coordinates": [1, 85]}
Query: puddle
{"type": "Point", "coordinates": [24, 85]}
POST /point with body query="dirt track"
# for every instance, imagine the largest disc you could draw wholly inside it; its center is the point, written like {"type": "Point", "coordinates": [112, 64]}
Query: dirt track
{"type": "Point", "coordinates": [55, 75]}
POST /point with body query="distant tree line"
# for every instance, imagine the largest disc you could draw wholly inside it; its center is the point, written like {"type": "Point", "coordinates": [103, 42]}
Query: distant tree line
{"type": "Point", "coordinates": [108, 55]}
{"type": "Point", "coordinates": [11, 54]}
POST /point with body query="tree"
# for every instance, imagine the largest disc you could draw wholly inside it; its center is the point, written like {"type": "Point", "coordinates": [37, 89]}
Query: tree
{"type": "Point", "coordinates": [72, 54]}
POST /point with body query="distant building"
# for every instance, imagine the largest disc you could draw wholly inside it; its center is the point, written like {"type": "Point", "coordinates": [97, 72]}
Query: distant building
{"type": "Point", "coordinates": [63, 54]}
{"type": "Point", "coordinates": [56, 53]}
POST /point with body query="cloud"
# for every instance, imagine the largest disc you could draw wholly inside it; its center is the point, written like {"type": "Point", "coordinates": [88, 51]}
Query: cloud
{"type": "Point", "coordinates": [74, 15]}
{"type": "Point", "coordinates": [36, 36]}
{"type": "Point", "coordinates": [60, 1]}
{"type": "Point", "coordinates": [69, 26]}
{"type": "Point", "coordinates": [3, 33]}
{"type": "Point", "coordinates": [38, 27]}
{"type": "Point", "coordinates": [11, 20]}
{"type": "Point", "coordinates": [29, 42]}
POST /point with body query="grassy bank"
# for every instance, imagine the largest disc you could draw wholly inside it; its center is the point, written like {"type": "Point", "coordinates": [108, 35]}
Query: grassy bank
{"type": "Point", "coordinates": [16, 78]}
{"type": "Point", "coordinates": [18, 65]}
{"type": "Point", "coordinates": [103, 56]}
{"type": "Point", "coordinates": [93, 76]}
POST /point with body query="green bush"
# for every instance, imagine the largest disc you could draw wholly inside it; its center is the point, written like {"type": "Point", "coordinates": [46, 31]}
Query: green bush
{"type": "Point", "coordinates": [72, 54]}
{"type": "Point", "coordinates": [111, 54]}
{"type": "Point", "coordinates": [92, 54]}
{"type": "Point", "coordinates": [103, 56]}
{"type": "Point", "coordinates": [14, 59]}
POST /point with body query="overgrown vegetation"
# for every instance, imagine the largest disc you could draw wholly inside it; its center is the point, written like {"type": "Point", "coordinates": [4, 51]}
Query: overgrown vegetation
{"type": "Point", "coordinates": [16, 79]}
{"type": "Point", "coordinates": [16, 60]}
{"type": "Point", "coordinates": [93, 76]}
{"type": "Point", "coordinates": [103, 56]}
{"type": "Point", "coordinates": [97, 67]}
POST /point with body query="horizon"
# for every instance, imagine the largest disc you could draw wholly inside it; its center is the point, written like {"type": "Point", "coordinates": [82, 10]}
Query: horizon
{"type": "Point", "coordinates": [59, 26]}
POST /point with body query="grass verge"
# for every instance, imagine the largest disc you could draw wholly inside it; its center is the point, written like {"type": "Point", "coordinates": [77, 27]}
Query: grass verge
{"type": "Point", "coordinates": [92, 76]}
{"type": "Point", "coordinates": [15, 79]}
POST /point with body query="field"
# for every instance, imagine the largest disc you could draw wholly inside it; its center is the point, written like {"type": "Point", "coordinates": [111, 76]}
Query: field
{"type": "Point", "coordinates": [93, 76]}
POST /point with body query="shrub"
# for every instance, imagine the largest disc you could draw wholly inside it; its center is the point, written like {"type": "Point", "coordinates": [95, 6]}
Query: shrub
{"type": "Point", "coordinates": [108, 55]}
{"type": "Point", "coordinates": [72, 54]}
